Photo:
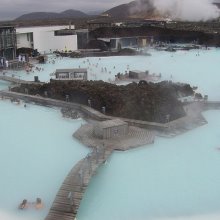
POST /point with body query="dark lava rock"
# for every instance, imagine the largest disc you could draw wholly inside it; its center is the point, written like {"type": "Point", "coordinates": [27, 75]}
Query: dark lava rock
{"type": "Point", "coordinates": [141, 101]}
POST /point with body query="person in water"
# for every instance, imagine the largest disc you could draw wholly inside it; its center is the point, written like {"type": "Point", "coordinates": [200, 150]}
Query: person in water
{"type": "Point", "coordinates": [38, 204]}
{"type": "Point", "coordinates": [24, 204]}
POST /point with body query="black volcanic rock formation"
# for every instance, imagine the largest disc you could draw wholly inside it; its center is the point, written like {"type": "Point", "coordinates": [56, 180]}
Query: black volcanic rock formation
{"type": "Point", "coordinates": [141, 101]}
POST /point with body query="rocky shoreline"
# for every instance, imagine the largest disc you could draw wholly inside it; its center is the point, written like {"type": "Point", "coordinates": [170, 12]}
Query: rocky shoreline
{"type": "Point", "coordinates": [153, 102]}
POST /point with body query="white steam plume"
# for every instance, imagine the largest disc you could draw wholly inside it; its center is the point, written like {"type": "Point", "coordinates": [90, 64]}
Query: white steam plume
{"type": "Point", "coordinates": [187, 10]}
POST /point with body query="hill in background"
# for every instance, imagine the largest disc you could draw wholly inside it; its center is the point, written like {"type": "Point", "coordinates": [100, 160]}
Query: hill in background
{"type": "Point", "coordinates": [134, 9]}
{"type": "Point", "coordinates": [143, 9]}
{"type": "Point", "coordinates": [52, 15]}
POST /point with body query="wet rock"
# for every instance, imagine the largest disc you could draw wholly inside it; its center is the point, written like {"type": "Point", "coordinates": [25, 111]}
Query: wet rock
{"type": "Point", "coordinates": [70, 113]}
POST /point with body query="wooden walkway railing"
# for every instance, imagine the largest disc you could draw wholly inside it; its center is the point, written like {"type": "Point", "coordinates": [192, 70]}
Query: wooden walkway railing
{"type": "Point", "coordinates": [70, 194]}
{"type": "Point", "coordinates": [90, 112]}
{"type": "Point", "coordinates": [17, 80]}
{"type": "Point", "coordinates": [11, 79]}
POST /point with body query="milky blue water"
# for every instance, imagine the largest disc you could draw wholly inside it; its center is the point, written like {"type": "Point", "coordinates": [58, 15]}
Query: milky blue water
{"type": "Point", "coordinates": [172, 178]}
{"type": "Point", "coordinates": [37, 152]}
{"type": "Point", "coordinates": [198, 67]}
{"type": "Point", "coordinates": [175, 178]}
{"type": "Point", "coordinates": [4, 85]}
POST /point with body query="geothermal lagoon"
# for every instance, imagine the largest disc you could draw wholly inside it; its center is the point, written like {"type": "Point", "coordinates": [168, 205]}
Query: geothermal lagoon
{"type": "Point", "coordinates": [197, 67]}
{"type": "Point", "coordinates": [175, 178]}
{"type": "Point", "coordinates": [37, 152]}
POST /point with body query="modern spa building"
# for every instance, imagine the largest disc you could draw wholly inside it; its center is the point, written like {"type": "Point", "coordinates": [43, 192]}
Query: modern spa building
{"type": "Point", "coordinates": [46, 38]}
{"type": "Point", "coordinates": [117, 43]}
{"type": "Point", "coordinates": [7, 42]}
{"type": "Point", "coordinates": [71, 74]}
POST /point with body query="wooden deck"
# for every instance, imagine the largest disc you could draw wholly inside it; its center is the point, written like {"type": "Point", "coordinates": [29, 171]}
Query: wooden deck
{"type": "Point", "coordinates": [136, 137]}
{"type": "Point", "coordinates": [17, 80]}
{"type": "Point", "coordinates": [70, 194]}
{"type": "Point", "coordinates": [11, 79]}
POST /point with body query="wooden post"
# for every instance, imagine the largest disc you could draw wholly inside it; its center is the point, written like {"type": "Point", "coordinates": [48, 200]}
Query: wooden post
{"type": "Point", "coordinates": [71, 201]}
{"type": "Point", "coordinates": [81, 174]}
{"type": "Point", "coordinates": [96, 154]}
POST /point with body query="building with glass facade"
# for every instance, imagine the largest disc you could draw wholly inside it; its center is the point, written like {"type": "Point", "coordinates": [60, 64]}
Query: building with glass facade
{"type": "Point", "coordinates": [7, 42]}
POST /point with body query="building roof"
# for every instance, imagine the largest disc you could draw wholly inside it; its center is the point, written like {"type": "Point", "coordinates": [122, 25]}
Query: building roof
{"type": "Point", "coordinates": [97, 21]}
{"type": "Point", "coordinates": [137, 71]}
{"type": "Point", "coordinates": [82, 30]}
{"type": "Point", "coordinates": [30, 29]}
{"type": "Point", "coordinates": [111, 123]}
{"type": "Point", "coordinates": [3, 27]}
{"type": "Point", "coordinates": [81, 70]}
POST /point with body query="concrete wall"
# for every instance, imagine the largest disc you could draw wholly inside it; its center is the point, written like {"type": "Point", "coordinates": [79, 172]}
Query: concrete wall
{"type": "Point", "coordinates": [44, 39]}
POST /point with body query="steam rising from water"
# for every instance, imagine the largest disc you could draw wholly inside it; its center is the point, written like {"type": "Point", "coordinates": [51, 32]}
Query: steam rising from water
{"type": "Point", "coordinates": [185, 10]}
{"type": "Point", "coordinates": [188, 10]}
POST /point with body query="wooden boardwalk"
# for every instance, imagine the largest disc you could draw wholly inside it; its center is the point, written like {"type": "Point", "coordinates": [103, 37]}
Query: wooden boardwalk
{"type": "Point", "coordinates": [135, 137]}
{"type": "Point", "coordinates": [70, 194]}
{"type": "Point", "coordinates": [89, 112]}
{"type": "Point", "coordinates": [17, 80]}
{"type": "Point", "coordinates": [11, 79]}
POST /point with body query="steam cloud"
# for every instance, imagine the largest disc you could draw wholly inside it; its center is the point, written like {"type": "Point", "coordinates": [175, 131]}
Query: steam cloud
{"type": "Point", "coordinates": [187, 10]}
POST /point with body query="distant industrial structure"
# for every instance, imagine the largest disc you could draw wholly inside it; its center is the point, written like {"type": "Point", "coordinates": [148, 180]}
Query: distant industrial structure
{"type": "Point", "coordinates": [94, 24]}
{"type": "Point", "coordinates": [71, 74]}
{"type": "Point", "coordinates": [106, 21]}
{"type": "Point", "coordinates": [117, 43]}
{"type": "Point", "coordinates": [7, 42]}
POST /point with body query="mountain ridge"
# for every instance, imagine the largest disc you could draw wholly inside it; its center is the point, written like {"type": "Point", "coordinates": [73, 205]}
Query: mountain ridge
{"type": "Point", "coordinates": [70, 13]}
{"type": "Point", "coordinates": [134, 9]}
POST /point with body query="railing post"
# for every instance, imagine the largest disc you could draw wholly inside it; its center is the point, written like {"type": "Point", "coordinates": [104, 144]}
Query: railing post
{"type": "Point", "coordinates": [71, 201]}
{"type": "Point", "coordinates": [81, 174]}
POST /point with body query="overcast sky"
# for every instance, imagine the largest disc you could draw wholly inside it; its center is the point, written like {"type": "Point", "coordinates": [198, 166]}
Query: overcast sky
{"type": "Point", "coordinates": [10, 9]}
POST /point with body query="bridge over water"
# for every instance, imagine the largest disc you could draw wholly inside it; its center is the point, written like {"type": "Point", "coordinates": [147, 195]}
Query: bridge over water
{"type": "Point", "coordinates": [69, 196]}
